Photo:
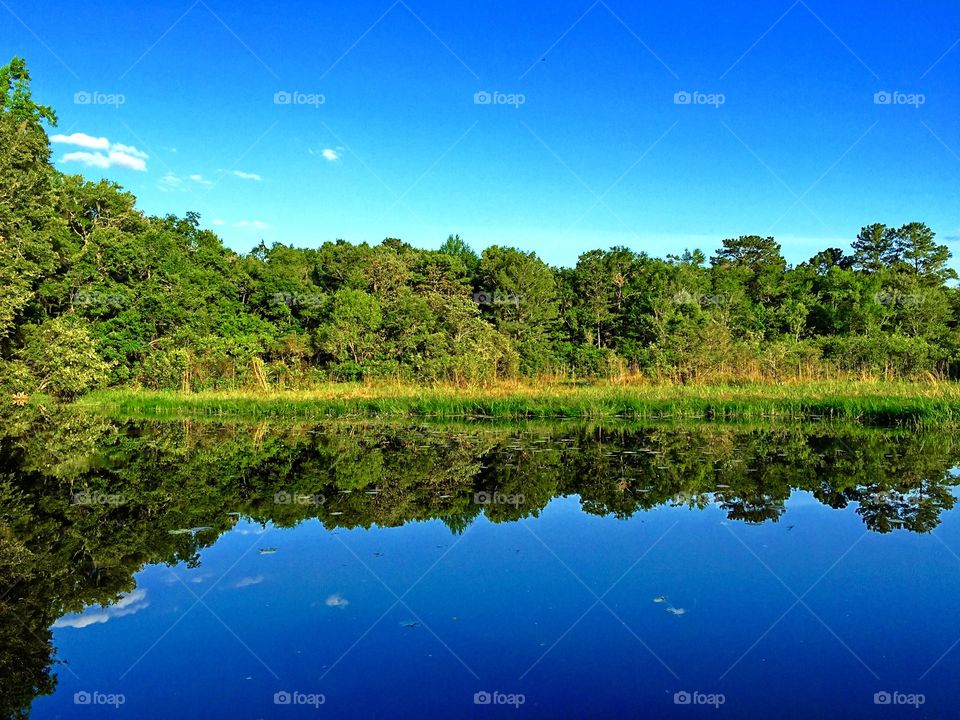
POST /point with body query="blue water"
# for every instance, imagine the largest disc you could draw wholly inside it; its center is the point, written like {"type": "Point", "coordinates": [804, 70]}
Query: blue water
{"type": "Point", "coordinates": [555, 613]}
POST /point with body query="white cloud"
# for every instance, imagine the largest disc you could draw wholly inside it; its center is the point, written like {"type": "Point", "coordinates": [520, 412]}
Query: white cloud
{"type": "Point", "coordinates": [170, 182]}
{"type": "Point", "coordinates": [127, 605]}
{"type": "Point", "coordinates": [83, 140]}
{"type": "Point", "coordinates": [108, 154]}
{"type": "Point", "coordinates": [218, 221]}
{"type": "Point", "coordinates": [126, 160]}
{"type": "Point", "coordinates": [247, 176]}
{"type": "Point", "coordinates": [336, 600]}
{"type": "Point", "coordinates": [329, 154]}
{"type": "Point", "coordinates": [87, 158]}
{"type": "Point", "coordinates": [255, 224]}
{"type": "Point", "coordinates": [129, 150]}
{"type": "Point", "coordinates": [248, 581]}
{"type": "Point", "coordinates": [201, 180]}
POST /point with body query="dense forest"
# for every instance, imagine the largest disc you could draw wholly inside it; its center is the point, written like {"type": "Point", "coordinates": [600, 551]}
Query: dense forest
{"type": "Point", "coordinates": [94, 292]}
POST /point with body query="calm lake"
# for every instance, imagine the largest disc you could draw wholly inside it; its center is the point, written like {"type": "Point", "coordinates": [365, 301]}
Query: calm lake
{"type": "Point", "coordinates": [373, 570]}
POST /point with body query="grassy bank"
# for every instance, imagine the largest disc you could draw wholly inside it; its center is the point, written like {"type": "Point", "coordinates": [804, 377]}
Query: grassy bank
{"type": "Point", "coordinates": [866, 403]}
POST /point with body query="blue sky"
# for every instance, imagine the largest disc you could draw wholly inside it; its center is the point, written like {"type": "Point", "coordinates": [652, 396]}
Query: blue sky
{"type": "Point", "coordinates": [585, 141]}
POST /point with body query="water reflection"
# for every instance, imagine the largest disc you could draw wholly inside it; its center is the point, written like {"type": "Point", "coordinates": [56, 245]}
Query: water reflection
{"type": "Point", "coordinates": [86, 502]}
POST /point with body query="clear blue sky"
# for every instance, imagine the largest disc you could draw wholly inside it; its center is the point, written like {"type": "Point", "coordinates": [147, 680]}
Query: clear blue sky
{"type": "Point", "coordinates": [599, 153]}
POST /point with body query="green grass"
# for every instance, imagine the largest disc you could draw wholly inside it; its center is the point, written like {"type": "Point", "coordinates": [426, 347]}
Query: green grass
{"type": "Point", "coordinates": [865, 403]}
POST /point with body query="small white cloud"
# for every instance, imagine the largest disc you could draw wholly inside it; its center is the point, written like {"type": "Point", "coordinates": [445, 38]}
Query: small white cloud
{"type": "Point", "coordinates": [247, 176]}
{"type": "Point", "coordinates": [126, 160]}
{"type": "Point", "coordinates": [218, 221]}
{"type": "Point", "coordinates": [248, 581]}
{"type": "Point", "coordinates": [127, 605]}
{"type": "Point", "coordinates": [82, 140]}
{"type": "Point", "coordinates": [200, 179]}
{"type": "Point", "coordinates": [170, 182]}
{"type": "Point", "coordinates": [337, 600]}
{"type": "Point", "coordinates": [129, 150]}
{"type": "Point", "coordinates": [114, 155]}
{"type": "Point", "coordinates": [87, 158]}
{"type": "Point", "coordinates": [254, 224]}
{"type": "Point", "coordinates": [330, 154]}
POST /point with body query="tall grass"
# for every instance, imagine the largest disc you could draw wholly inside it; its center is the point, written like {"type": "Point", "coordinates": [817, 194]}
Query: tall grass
{"type": "Point", "coordinates": [871, 403]}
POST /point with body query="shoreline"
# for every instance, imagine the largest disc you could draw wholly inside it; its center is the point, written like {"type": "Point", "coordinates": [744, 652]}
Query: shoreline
{"type": "Point", "coordinates": [880, 404]}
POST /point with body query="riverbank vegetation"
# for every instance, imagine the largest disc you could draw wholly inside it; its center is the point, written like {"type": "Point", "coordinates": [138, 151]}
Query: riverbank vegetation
{"type": "Point", "coordinates": [896, 403]}
{"type": "Point", "coordinates": [94, 293]}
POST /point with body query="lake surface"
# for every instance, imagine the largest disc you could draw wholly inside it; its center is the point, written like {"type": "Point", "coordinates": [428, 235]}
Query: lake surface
{"type": "Point", "coordinates": [193, 569]}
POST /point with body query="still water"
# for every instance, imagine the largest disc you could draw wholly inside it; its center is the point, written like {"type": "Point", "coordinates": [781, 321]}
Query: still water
{"type": "Point", "coordinates": [186, 569]}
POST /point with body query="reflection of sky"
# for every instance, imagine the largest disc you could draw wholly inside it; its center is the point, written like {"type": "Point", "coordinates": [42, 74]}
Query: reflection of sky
{"type": "Point", "coordinates": [129, 604]}
{"type": "Point", "coordinates": [323, 617]}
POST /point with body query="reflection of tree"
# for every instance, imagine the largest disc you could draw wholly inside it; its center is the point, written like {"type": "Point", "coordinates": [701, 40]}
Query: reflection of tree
{"type": "Point", "coordinates": [26, 653]}
{"type": "Point", "coordinates": [57, 557]}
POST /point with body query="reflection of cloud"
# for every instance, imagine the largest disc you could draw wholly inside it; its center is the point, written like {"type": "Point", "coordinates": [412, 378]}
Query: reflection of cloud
{"type": "Point", "coordinates": [337, 600]}
{"type": "Point", "coordinates": [129, 604]}
{"type": "Point", "coordinates": [250, 531]}
{"type": "Point", "coordinates": [248, 581]}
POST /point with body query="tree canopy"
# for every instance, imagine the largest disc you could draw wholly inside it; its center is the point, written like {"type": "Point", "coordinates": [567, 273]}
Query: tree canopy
{"type": "Point", "coordinates": [93, 292]}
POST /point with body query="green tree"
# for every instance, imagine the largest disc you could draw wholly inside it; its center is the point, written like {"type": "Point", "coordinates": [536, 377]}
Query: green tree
{"type": "Point", "coordinates": [351, 333]}
{"type": "Point", "coordinates": [518, 294]}
{"type": "Point", "coordinates": [874, 249]}
{"type": "Point", "coordinates": [915, 246]}
{"type": "Point", "coordinates": [63, 357]}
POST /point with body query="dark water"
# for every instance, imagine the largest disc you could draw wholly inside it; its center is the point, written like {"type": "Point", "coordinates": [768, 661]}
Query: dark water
{"type": "Point", "coordinates": [551, 571]}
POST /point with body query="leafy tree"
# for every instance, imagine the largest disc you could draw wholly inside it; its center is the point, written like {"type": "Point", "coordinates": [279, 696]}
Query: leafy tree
{"type": "Point", "coordinates": [63, 356]}
{"type": "Point", "coordinates": [874, 248]}
{"type": "Point", "coordinates": [351, 333]}
{"type": "Point", "coordinates": [518, 294]}
{"type": "Point", "coordinates": [456, 247]}
{"type": "Point", "coordinates": [914, 245]}
{"type": "Point", "coordinates": [17, 100]}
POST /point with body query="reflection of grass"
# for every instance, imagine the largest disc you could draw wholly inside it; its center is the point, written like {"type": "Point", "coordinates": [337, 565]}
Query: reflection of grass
{"type": "Point", "coordinates": [868, 403]}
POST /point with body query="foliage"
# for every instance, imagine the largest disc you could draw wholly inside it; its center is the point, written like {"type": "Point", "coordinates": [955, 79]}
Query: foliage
{"type": "Point", "coordinates": [63, 357]}
{"type": "Point", "coordinates": [89, 284]}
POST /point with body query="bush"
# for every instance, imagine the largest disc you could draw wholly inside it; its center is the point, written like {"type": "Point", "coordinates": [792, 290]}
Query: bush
{"type": "Point", "coordinates": [63, 357]}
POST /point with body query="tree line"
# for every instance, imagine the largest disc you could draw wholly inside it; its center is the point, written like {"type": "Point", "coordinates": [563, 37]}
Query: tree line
{"type": "Point", "coordinates": [93, 292]}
